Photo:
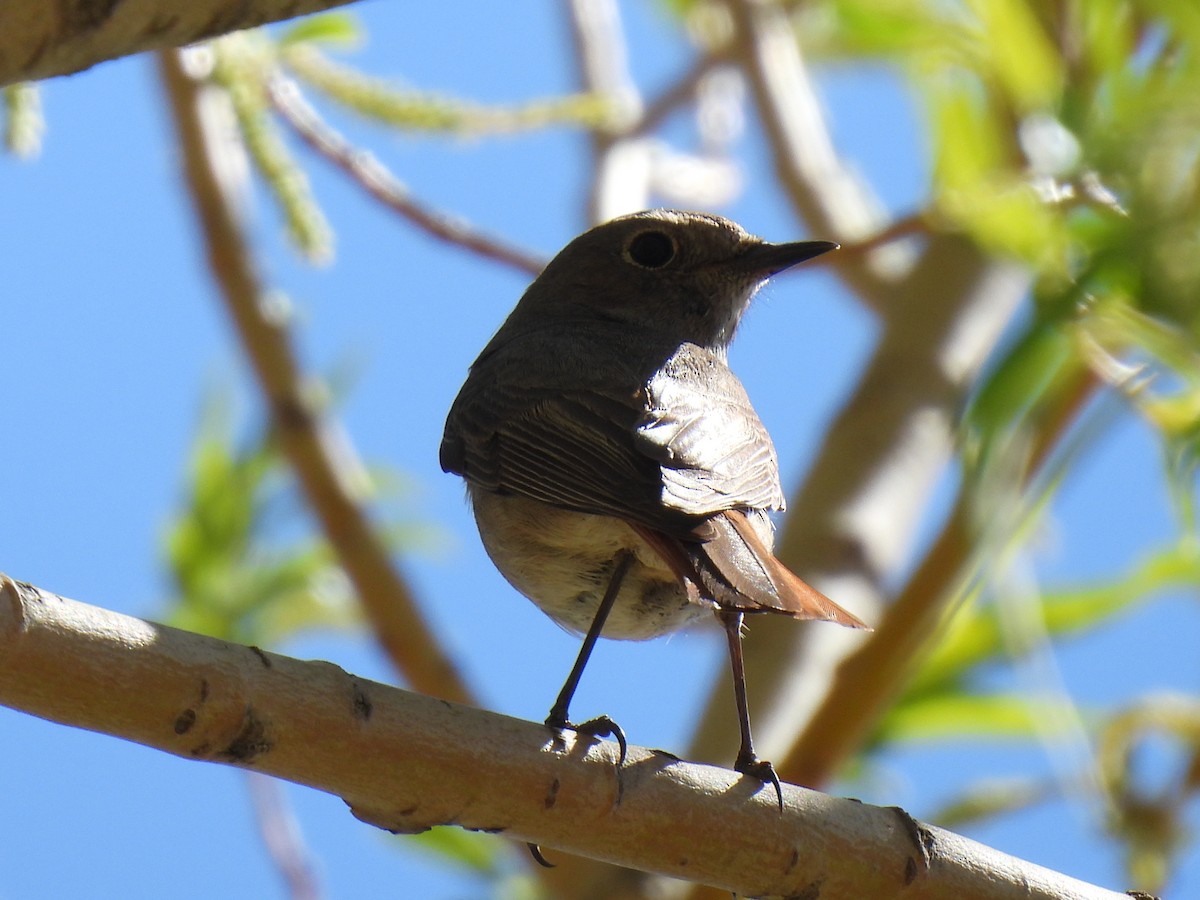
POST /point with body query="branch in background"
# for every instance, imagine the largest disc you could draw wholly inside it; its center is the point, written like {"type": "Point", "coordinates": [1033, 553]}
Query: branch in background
{"type": "Point", "coordinates": [406, 762]}
{"type": "Point", "coordinates": [40, 40]}
{"type": "Point", "coordinates": [682, 91]}
{"type": "Point", "coordinates": [370, 174]}
{"type": "Point", "coordinates": [909, 226]}
{"type": "Point", "coordinates": [868, 682]}
{"type": "Point", "coordinates": [825, 193]}
{"type": "Point", "coordinates": [281, 836]}
{"type": "Point", "coordinates": [324, 462]}
{"type": "Point", "coordinates": [621, 164]}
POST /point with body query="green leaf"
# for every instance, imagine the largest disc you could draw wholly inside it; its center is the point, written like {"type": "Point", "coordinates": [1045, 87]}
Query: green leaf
{"type": "Point", "coordinates": [964, 715]}
{"type": "Point", "coordinates": [993, 797]}
{"type": "Point", "coordinates": [474, 850]}
{"type": "Point", "coordinates": [24, 124]}
{"type": "Point", "coordinates": [240, 68]}
{"type": "Point", "coordinates": [974, 635]}
{"type": "Point", "coordinates": [1019, 54]}
{"type": "Point", "coordinates": [413, 110]}
{"type": "Point", "coordinates": [339, 29]}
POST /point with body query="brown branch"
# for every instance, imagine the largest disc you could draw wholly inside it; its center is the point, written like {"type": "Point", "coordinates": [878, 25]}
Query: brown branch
{"type": "Point", "coordinates": [868, 681]}
{"type": "Point", "coordinates": [370, 174]}
{"type": "Point", "coordinates": [681, 91]}
{"type": "Point", "coordinates": [314, 445]}
{"type": "Point", "coordinates": [909, 226]}
{"type": "Point", "coordinates": [281, 836]}
{"type": "Point", "coordinates": [40, 39]}
{"type": "Point", "coordinates": [620, 157]}
{"type": "Point", "coordinates": [825, 193]}
{"type": "Point", "coordinates": [406, 762]}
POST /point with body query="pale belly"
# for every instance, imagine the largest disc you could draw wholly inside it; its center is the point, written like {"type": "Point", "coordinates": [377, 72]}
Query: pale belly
{"type": "Point", "coordinates": [563, 561]}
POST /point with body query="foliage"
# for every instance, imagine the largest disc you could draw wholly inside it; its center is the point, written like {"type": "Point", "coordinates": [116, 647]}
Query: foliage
{"type": "Point", "coordinates": [233, 577]}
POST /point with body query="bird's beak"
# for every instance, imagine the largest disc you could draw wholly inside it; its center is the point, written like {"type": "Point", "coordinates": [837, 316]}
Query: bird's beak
{"type": "Point", "coordinates": [765, 260]}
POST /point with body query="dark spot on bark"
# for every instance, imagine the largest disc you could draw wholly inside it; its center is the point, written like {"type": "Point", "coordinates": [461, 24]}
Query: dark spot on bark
{"type": "Point", "coordinates": [203, 689]}
{"type": "Point", "coordinates": [250, 741]}
{"type": "Point", "coordinates": [811, 892]}
{"type": "Point", "coordinates": [910, 871]}
{"type": "Point", "coordinates": [159, 25]}
{"type": "Point", "coordinates": [793, 861]}
{"type": "Point", "coordinates": [262, 656]}
{"type": "Point", "coordinates": [185, 721]}
{"type": "Point", "coordinates": [407, 811]}
{"type": "Point", "coordinates": [85, 15]}
{"type": "Point", "coordinates": [552, 794]}
{"type": "Point", "coordinates": [362, 703]}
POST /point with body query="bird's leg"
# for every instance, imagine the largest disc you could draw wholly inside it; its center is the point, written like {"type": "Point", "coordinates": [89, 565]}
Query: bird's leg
{"type": "Point", "coordinates": [601, 726]}
{"type": "Point", "coordinates": [747, 762]}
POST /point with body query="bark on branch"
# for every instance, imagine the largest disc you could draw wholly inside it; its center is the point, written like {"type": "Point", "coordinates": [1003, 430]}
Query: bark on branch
{"type": "Point", "coordinates": [40, 39]}
{"type": "Point", "coordinates": [406, 762]}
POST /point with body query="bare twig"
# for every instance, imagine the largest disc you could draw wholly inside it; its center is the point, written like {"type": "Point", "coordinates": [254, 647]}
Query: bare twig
{"type": "Point", "coordinates": [681, 91]}
{"type": "Point", "coordinates": [316, 448]}
{"type": "Point", "coordinates": [406, 762]}
{"type": "Point", "coordinates": [368, 172]}
{"type": "Point", "coordinates": [823, 190]}
{"type": "Point", "coordinates": [909, 226]}
{"type": "Point", "coordinates": [281, 836]}
{"type": "Point", "coordinates": [621, 169]}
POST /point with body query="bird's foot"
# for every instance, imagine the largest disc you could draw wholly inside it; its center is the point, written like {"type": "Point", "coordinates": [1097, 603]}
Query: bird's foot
{"type": "Point", "coordinates": [751, 765]}
{"type": "Point", "coordinates": [599, 727]}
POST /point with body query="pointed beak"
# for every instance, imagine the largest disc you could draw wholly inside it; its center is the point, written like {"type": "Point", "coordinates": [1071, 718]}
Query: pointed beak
{"type": "Point", "coordinates": [765, 260]}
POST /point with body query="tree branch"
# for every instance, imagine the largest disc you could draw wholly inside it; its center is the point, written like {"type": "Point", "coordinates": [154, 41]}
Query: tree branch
{"type": "Point", "coordinates": [40, 39]}
{"type": "Point", "coordinates": [826, 194]}
{"type": "Point", "coordinates": [406, 762]}
{"type": "Point", "coordinates": [369, 173]}
{"type": "Point", "coordinates": [621, 165]}
{"type": "Point", "coordinates": [869, 680]}
{"type": "Point", "coordinates": [317, 449]}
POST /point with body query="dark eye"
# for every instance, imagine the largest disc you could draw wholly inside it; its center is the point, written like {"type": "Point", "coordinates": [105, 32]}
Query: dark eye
{"type": "Point", "coordinates": [651, 249]}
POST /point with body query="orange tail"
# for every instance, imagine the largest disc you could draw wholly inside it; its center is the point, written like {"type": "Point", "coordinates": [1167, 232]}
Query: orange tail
{"type": "Point", "coordinates": [733, 568]}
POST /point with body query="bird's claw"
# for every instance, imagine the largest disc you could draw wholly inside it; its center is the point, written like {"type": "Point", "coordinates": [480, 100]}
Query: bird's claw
{"type": "Point", "coordinates": [764, 772]}
{"type": "Point", "coordinates": [599, 727]}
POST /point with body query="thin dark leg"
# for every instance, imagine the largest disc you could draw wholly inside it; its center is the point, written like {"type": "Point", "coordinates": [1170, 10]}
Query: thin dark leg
{"type": "Point", "coordinates": [602, 725]}
{"type": "Point", "coordinates": [747, 762]}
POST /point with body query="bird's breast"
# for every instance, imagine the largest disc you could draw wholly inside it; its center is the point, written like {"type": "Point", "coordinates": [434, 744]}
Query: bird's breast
{"type": "Point", "coordinates": [563, 561]}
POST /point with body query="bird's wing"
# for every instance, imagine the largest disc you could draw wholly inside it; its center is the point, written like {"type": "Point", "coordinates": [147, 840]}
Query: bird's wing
{"type": "Point", "coordinates": [667, 454]}
{"type": "Point", "coordinates": [714, 452]}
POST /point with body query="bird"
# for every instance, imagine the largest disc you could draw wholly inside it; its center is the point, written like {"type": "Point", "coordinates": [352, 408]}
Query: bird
{"type": "Point", "coordinates": [619, 476]}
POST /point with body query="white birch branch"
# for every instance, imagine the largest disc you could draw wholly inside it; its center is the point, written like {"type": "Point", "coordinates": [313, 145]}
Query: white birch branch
{"type": "Point", "coordinates": [406, 762]}
{"type": "Point", "coordinates": [40, 39]}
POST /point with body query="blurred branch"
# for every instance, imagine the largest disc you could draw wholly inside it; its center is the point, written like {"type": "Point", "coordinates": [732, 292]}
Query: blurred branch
{"type": "Point", "coordinates": [620, 157]}
{"type": "Point", "coordinates": [317, 449]}
{"type": "Point", "coordinates": [406, 762]}
{"type": "Point", "coordinates": [40, 40]}
{"type": "Point", "coordinates": [679, 93]}
{"type": "Point", "coordinates": [370, 174]}
{"type": "Point", "coordinates": [909, 226]}
{"type": "Point", "coordinates": [869, 680]}
{"type": "Point", "coordinates": [281, 836]}
{"type": "Point", "coordinates": [825, 193]}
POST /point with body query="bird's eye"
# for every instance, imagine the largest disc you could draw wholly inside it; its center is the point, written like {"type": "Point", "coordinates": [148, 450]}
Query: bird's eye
{"type": "Point", "coordinates": [651, 250]}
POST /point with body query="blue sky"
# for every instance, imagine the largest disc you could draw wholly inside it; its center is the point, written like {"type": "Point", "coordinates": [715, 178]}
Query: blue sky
{"type": "Point", "coordinates": [112, 337]}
